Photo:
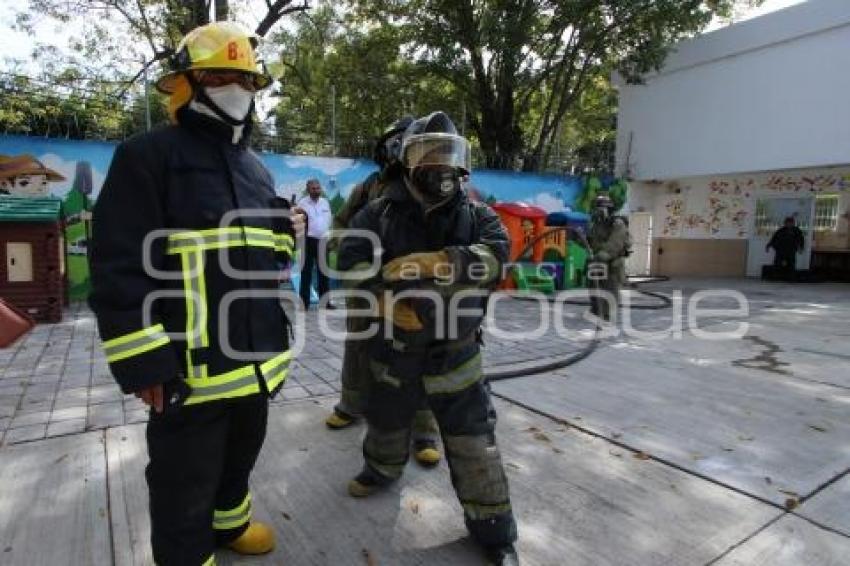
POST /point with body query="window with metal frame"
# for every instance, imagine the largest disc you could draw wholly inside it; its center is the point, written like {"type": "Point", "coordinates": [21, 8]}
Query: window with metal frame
{"type": "Point", "coordinates": [826, 213]}
{"type": "Point", "coordinates": [763, 223]}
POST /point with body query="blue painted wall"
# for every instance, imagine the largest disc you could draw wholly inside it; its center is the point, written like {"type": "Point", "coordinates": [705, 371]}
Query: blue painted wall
{"type": "Point", "coordinates": [337, 175]}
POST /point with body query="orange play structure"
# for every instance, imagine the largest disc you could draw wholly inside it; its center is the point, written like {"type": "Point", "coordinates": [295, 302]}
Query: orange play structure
{"type": "Point", "coordinates": [523, 222]}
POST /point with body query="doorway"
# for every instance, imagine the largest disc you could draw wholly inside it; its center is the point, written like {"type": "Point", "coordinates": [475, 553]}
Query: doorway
{"type": "Point", "coordinates": [771, 213]}
{"type": "Point", "coordinates": [640, 227]}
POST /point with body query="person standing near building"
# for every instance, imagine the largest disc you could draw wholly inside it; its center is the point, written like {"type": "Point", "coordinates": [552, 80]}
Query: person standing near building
{"type": "Point", "coordinates": [356, 372]}
{"type": "Point", "coordinates": [318, 211]}
{"type": "Point", "coordinates": [610, 244]}
{"type": "Point", "coordinates": [787, 242]}
{"type": "Point", "coordinates": [434, 240]}
{"type": "Point", "coordinates": [169, 249]}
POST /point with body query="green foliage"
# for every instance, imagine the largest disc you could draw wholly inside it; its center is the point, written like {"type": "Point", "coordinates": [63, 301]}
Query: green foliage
{"type": "Point", "coordinates": [334, 65]}
{"type": "Point", "coordinates": [522, 65]}
{"type": "Point", "coordinates": [618, 192]}
{"type": "Point", "coordinates": [337, 202]}
{"type": "Point", "coordinates": [592, 187]}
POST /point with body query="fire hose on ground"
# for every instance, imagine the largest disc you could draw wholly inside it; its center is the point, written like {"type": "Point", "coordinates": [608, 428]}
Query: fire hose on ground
{"type": "Point", "coordinates": [495, 374]}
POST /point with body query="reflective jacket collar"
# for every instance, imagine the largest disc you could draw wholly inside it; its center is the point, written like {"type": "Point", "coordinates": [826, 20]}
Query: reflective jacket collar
{"type": "Point", "coordinates": [212, 128]}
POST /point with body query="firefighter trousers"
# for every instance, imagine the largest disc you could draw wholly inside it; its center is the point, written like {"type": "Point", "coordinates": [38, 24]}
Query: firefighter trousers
{"type": "Point", "coordinates": [201, 457]}
{"type": "Point", "coordinates": [460, 401]}
{"type": "Point", "coordinates": [357, 378]}
{"type": "Point", "coordinates": [606, 307]}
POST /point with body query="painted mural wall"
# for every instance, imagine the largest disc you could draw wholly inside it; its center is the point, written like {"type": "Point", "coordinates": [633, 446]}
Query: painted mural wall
{"type": "Point", "coordinates": [75, 170]}
{"type": "Point", "coordinates": [337, 175]}
{"type": "Point", "coordinates": [725, 206]}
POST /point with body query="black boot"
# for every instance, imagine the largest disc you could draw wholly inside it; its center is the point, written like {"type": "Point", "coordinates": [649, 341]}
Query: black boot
{"type": "Point", "coordinates": [502, 555]}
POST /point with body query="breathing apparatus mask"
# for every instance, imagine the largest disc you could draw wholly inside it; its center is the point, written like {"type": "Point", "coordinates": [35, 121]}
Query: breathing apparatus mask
{"type": "Point", "coordinates": [603, 208]}
{"type": "Point", "coordinates": [435, 164]}
{"type": "Point", "coordinates": [600, 214]}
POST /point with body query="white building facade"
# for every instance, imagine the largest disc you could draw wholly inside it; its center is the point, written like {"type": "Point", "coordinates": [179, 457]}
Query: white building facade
{"type": "Point", "coordinates": [741, 128]}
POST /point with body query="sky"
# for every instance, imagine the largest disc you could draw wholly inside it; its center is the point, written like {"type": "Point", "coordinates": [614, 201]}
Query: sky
{"type": "Point", "coordinates": [18, 45]}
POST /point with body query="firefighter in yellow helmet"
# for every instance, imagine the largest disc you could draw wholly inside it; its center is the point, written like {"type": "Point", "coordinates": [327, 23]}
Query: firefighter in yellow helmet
{"type": "Point", "coordinates": [187, 221]}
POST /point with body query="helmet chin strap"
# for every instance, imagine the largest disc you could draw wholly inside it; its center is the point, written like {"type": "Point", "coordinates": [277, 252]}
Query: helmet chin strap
{"type": "Point", "coordinates": [202, 97]}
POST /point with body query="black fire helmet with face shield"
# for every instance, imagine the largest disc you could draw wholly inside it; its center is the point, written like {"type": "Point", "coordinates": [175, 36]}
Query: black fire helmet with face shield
{"type": "Point", "coordinates": [434, 156]}
{"type": "Point", "coordinates": [388, 147]}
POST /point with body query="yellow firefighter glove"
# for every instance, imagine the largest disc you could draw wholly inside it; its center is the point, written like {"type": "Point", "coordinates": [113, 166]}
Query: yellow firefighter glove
{"type": "Point", "coordinates": [419, 265]}
{"type": "Point", "coordinates": [402, 314]}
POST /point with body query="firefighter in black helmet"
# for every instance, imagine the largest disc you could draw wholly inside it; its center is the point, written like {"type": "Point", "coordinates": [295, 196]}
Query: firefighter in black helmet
{"type": "Point", "coordinates": [447, 252]}
{"type": "Point", "coordinates": [356, 372]}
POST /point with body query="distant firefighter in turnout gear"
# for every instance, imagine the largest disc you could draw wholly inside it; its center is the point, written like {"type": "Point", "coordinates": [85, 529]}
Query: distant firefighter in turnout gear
{"type": "Point", "coordinates": [435, 241]}
{"type": "Point", "coordinates": [356, 370]}
{"type": "Point", "coordinates": [160, 310]}
{"type": "Point", "coordinates": [610, 244]}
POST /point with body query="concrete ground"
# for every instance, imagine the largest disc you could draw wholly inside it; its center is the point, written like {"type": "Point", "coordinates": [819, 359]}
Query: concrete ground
{"type": "Point", "coordinates": [658, 449]}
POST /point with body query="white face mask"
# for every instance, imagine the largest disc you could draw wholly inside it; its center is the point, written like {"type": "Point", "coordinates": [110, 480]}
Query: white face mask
{"type": "Point", "coordinates": [234, 100]}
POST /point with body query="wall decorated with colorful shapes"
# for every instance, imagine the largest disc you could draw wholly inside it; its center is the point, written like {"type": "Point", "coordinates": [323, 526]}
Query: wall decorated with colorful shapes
{"type": "Point", "coordinates": [75, 170]}
{"type": "Point", "coordinates": [724, 206]}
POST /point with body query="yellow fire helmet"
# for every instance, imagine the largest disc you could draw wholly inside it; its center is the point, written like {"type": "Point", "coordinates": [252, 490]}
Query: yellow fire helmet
{"type": "Point", "coordinates": [224, 46]}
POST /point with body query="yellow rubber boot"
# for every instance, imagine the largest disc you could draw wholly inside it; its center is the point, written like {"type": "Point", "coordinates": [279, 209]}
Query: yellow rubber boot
{"type": "Point", "coordinates": [426, 453]}
{"type": "Point", "coordinates": [338, 421]}
{"type": "Point", "coordinates": [428, 457]}
{"type": "Point", "coordinates": [258, 538]}
{"type": "Point", "coordinates": [366, 483]}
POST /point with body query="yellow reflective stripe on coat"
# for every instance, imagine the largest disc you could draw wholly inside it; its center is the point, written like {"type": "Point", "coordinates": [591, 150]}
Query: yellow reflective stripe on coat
{"type": "Point", "coordinates": [209, 561]}
{"type": "Point", "coordinates": [233, 518]}
{"type": "Point", "coordinates": [135, 343]}
{"type": "Point", "coordinates": [284, 243]}
{"type": "Point", "coordinates": [275, 370]}
{"type": "Point", "coordinates": [218, 238]}
{"type": "Point", "coordinates": [458, 379]}
{"type": "Point", "coordinates": [195, 288]}
{"type": "Point", "coordinates": [213, 238]}
{"type": "Point", "coordinates": [236, 383]}
{"type": "Point", "coordinates": [240, 381]}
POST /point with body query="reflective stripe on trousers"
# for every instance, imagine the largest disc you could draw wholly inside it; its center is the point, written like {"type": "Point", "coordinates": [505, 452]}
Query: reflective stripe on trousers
{"type": "Point", "coordinates": [233, 518]}
{"type": "Point", "coordinates": [455, 380]}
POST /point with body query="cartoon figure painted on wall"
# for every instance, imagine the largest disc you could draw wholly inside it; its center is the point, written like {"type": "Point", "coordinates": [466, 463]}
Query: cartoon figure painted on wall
{"type": "Point", "coordinates": [26, 176]}
{"type": "Point", "coordinates": [78, 205]}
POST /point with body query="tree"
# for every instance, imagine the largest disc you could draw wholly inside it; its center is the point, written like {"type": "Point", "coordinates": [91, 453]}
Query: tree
{"type": "Point", "coordinates": [126, 34]}
{"type": "Point", "coordinates": [92, 87]}
{"type": "Point", "coordinates": [331, 60]}
{"type": "Point", "coordinates": [510, 56]}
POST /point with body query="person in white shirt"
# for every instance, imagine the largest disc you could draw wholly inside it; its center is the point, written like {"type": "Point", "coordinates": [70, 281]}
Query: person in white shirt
{"type": "Point", "coordinates": [318, 211]}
